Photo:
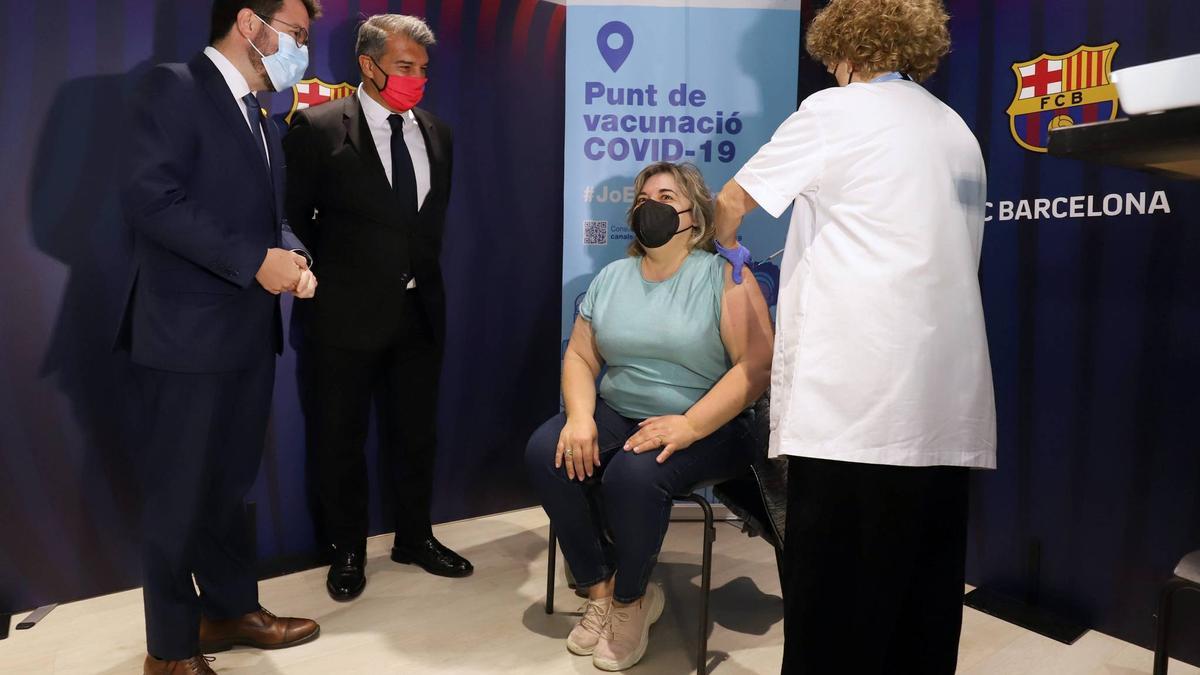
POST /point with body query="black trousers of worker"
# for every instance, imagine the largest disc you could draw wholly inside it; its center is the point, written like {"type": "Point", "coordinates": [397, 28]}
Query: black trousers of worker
{"type": "Point", "coordinates": [874, 568]}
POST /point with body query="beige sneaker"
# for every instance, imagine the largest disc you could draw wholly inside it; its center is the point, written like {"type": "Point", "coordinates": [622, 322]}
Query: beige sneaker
{"type": "Point", "coordinates": [623, 641]}
{"type": "Point", "coordinates": [584, 636]}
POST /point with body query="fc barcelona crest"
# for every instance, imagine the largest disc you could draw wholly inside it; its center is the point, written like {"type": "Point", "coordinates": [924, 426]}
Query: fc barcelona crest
{"type": "Point", "coordinates": [1061, 91]}
{"type": "Point", "coordinates": [308, 93]}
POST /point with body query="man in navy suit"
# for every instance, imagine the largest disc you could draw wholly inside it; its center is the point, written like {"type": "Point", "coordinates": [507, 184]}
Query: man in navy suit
{"type": "Point", "coordinates": [213, 251]}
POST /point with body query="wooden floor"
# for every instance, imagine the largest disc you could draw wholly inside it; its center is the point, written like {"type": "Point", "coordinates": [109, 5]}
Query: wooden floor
{"type": "Point", "coordinates": [411, 622]}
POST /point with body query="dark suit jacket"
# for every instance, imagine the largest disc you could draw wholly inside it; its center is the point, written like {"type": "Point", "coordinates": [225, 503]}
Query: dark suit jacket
{"type": "Point", "coordinates": [340, 202]}
{"type": "Point", "coordinates": [204, 210]}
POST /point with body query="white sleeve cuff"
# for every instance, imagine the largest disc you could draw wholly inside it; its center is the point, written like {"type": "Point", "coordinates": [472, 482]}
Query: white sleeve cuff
{"type": "Point", "coordinates": [762, 192]}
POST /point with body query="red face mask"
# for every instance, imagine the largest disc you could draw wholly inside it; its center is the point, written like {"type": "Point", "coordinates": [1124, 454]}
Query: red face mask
{"type": "Point", "coordinates": [402, 93]}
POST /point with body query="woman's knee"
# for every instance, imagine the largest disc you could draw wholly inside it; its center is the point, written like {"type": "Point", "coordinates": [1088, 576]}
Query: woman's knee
{"type": "Point", "coordinates": [629, 475]}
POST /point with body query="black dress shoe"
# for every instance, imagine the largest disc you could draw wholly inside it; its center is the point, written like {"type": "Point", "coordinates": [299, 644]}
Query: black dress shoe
{"type": "Point", "coordinates": [433, 558]}
{"type": "Point", "coordinates": [347, 573]}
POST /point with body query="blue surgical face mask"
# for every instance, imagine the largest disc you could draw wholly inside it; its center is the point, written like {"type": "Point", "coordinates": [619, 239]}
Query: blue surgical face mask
{"type": "Point", "coordinates": [287, 65]}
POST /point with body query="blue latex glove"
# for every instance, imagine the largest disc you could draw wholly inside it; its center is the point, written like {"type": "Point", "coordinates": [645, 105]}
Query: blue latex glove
{"type": "Point", "coordinates": [739, 257]}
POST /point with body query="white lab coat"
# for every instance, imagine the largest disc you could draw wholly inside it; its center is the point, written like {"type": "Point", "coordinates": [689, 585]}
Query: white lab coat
{"type": "Point", "coordinates": [880, 352]}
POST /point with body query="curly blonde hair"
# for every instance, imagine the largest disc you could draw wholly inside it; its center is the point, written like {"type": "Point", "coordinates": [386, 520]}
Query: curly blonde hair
{"type": "Point", "coordinates": [691, 186]}
{"type": "Point", "coordinates": [880, 36]}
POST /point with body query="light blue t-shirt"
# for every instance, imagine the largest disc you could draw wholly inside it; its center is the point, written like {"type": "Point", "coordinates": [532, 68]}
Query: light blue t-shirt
{"type": "Point", "coordinates": [660, 340]}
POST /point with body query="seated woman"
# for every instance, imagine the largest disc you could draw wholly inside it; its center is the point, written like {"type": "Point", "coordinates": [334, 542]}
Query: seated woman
{"type": "Point", "coordinates": [688, 352]}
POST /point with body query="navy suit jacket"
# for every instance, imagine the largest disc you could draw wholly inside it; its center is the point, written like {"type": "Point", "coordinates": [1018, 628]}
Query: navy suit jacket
{"type": "Point", "coordinates": [203, 210]}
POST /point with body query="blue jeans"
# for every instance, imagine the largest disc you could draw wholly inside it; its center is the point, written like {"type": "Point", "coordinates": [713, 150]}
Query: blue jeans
{"type": "Point", "coordinates": [615, 521]}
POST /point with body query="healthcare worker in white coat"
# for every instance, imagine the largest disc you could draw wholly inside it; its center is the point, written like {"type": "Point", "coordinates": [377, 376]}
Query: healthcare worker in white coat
{"type": "Point", "coordinates": [881, 389]}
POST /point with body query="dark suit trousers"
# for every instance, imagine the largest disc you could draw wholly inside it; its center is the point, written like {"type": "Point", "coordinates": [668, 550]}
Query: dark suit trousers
{"type": "Point", "coordinates": [203, 445]}
{"type": "Point", "coordinates": [339, 386]}
{"type": "Point", "coordinates": [874, 568]}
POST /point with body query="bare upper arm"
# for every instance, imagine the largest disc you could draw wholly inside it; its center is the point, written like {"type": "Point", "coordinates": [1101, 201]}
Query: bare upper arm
{"type": "Point", "coordinates": [746, 321]}
{"type": "Point", "coordinates": [583, 345]}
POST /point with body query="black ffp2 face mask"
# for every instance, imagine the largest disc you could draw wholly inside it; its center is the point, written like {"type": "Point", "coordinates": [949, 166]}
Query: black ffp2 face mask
{"type": "Point", "coordinates": [655, 223]}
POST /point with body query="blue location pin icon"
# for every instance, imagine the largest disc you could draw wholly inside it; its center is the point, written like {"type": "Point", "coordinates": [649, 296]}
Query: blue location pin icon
{"type": "Point", "coordinates": [610, 32]}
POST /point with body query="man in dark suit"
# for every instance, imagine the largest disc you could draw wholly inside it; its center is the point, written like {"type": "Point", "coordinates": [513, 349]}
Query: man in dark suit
{"type": "Point", "coordinates": [368, 187]}
{"type": "Point", "coordinates": [212, 252]}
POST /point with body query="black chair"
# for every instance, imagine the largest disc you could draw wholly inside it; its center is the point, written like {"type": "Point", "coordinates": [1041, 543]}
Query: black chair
{"type": "Point", "coordinates": [1187, 578]}
{"type": "Point", "coordinates": [757, 498]}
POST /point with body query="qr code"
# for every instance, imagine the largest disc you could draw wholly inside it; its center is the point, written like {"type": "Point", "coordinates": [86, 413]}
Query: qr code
{"type": "Point", "coordinates": [595, 232]}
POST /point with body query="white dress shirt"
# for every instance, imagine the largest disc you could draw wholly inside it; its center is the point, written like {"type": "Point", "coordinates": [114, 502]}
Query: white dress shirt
{"type": "Point", "coordinates": [238, 85]}
{"type": "Point", "coordinates": [880, 352]}
{"type": "Point", "coordinates": [381, 133]}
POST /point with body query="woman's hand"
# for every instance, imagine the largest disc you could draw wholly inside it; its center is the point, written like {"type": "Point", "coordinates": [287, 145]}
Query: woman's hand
{"type": "Point", "coordinates": [578, 448]}
{"type": "Point", "coordinates": [672, 433]}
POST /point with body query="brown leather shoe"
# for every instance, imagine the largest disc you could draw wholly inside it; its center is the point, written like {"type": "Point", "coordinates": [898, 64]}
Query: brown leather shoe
{"type": "Point", "coordinates": [197, 665]}
{"type": "Point", "coordinates": [261, 630]}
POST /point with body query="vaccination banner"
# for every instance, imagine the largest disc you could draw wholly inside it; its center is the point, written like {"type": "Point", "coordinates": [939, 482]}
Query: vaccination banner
{"type": "Point", "coordinates": [706, 85]}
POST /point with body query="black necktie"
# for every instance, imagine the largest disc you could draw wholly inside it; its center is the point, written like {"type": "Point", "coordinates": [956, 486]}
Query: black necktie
{"type": "Point", "coordinates": [254, 112]}
{"type": "Point", "coordinates": [404, 178]}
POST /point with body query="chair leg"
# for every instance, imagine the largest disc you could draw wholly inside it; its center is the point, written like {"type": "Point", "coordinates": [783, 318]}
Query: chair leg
{"type": "Point", "coordinates": [710, 534]}
{"type": "Point", "coordinates": [782, 572]}
{"type": "Point", "coordinates": [551, 558]}
{"type": "Point", "coordinates": [1163, 628]}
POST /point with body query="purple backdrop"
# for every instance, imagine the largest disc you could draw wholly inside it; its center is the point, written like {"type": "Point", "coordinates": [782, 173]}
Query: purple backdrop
{"type": "Point", "coordinates": [67, 497]}
{"type": "Point", "coordinates": [1094, 328]}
